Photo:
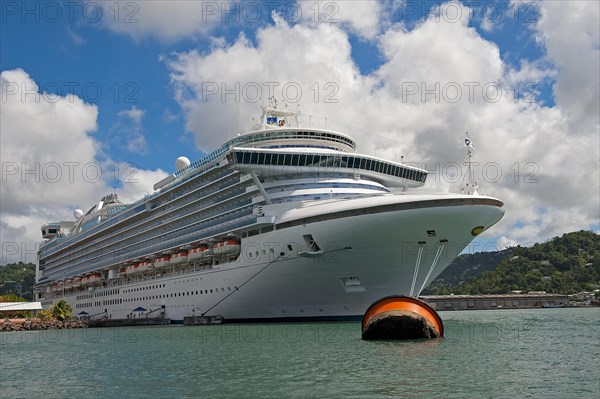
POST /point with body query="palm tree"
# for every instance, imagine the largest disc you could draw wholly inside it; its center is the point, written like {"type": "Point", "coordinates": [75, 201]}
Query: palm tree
{"type": "Point", "coordinates": [62, 311]}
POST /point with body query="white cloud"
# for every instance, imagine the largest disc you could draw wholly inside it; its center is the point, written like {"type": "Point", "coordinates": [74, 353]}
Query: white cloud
{"type": "Point", "coordinates": [50, 163]}
{"type": "Point", "coordinates": [165, 20]}
{"type": "Point", "coordinates": [128, 132]}
{"type": "Point", "coordinates": [47, 135]}
{"type": "Point", "coordinates": [461, 85]}
{"type": "Point", "coordinates": [361, 17]}
{"type": "Point", "coordinates": [139, 182]}
{"type": "Point", "coordinates": [571, 34]}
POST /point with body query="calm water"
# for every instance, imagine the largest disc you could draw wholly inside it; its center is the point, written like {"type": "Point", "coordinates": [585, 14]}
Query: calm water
{"type": "Point", "coordinates": [545, 353]}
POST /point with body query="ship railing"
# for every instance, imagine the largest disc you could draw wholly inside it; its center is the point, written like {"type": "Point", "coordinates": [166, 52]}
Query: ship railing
{"type": "Point", "coordinates": [124, 254]}
{"type": "Point", "coordinates": [140, 225]}
{"type": "Point", "coordinates": [218, 227]}
{"type": "Point", "coordinates": [92, 230]}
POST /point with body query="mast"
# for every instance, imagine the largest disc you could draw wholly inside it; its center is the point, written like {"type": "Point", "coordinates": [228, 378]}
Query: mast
{"type": "Point", "coordinates": [471, 186]}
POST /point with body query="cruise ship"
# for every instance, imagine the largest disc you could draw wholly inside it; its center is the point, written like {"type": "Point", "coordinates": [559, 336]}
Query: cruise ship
{"type": "Point", "coordinates": [285, 222]}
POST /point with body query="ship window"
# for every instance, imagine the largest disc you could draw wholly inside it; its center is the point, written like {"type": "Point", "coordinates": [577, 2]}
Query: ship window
{"type": "Point", "coordinates": [268, 159]}
{"type": "Point", "coordinates": [295, 159]}
{"type": "Point", "coordinates": [280, 159]}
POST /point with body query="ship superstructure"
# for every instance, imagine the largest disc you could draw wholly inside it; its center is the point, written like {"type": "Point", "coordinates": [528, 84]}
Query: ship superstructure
{"type": "Point", "coordinates": [285, 221]}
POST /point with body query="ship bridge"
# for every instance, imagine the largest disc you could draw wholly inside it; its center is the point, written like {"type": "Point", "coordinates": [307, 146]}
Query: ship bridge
{"type": "Point", "coordinates": [290, 162]}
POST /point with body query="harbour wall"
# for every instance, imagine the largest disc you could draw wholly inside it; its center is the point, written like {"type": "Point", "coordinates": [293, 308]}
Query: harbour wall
{"type": "Point", "coordinates": [499, 301]}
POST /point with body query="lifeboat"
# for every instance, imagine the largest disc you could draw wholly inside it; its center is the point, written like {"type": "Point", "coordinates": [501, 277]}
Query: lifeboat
{"type": "Point", "coordinates": [77, 282]}
{"type": "Point", "coordinates": [122, 272]}
{"type": "Point", "coordinates": [57, 286]}
{"type": "Point", "coordinates": [198, 253]}
{"type": "Point", "coordinates": [143, 266]}
{"type": "Point", "coordinates": [227, 247]}
{"type": "Point", "coordinates": [163, 261]}
{"type": "Point", "coordinates": [95, 278]}
{"type": "Point", "coordinates": [179, 257]}
{"type": "Point", "coordinates": [68, 284]}
{"type": "Point", "coordinates": [133, 268]}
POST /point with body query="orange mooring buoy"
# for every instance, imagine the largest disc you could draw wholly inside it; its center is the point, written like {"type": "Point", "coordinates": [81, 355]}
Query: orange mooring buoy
{"type": "Point", "coordinates": [401, 317]}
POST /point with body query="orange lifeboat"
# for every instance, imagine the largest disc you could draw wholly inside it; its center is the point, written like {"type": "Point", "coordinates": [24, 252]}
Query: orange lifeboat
{"type": "Point", "coordinates": [95, 278]}
{"type": "Point", "coordinates": [198, 253]}
{"type": "Point", "coordinates": [143, 266]}
{"type": "Point", "coordinates": [179, 257]}
{"type": "Point", "coordinates": [227, 247]}
{"type": "Point", "coordinates": [163, 261]}
{"type": "Point", "coordinates": [132, 268]}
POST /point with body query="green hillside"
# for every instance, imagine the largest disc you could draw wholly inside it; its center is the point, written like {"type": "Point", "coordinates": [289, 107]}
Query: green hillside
{"type": "Point", "coordinates": [464, 269]}
{"type": "Point", "coordinates": [17, 278]}
{"type": "Point", "coordinates": [565, 265]}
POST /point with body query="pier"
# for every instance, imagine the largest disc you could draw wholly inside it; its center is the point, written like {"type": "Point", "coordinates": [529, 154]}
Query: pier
{"type": "Point", "coordinates": [144, 321]}
{"type": "Point", "coordinates": [497, 301]}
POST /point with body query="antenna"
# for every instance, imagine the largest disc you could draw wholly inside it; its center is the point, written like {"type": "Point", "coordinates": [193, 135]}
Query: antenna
{"type": "Point", "coordinates": [471, 186]}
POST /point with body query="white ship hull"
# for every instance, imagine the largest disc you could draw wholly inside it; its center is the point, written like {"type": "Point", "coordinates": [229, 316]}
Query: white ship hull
{"type": "Point", "coordinates": [283, 222]}
{"type": "Point", "coordinates": [362, 258]}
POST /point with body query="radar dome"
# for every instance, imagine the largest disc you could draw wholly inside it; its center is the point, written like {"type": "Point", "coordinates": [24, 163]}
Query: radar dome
{"type": "Point", "coordinates": [181, 163]}
{"type": "Point", "coordinates": [78, 213]}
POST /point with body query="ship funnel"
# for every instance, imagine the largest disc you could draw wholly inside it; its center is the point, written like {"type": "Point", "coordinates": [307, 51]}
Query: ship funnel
{"type": "Point", "coordinates": [182, 162]}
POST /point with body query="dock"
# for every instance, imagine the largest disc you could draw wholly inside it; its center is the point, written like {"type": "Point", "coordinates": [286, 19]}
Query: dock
{"type": "Point", "coordinates": [202, 320]}
{"type": "Point", "coordinates": [144, 321]}
{"type": "Point", "coordinates": [497, 301]}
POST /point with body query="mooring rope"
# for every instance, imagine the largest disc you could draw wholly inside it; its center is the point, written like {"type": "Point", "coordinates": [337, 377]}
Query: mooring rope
{"type": "Point", "coordinates": [236, 289]}
{"type": "Point", "coordinates": [414, 280]}
{"type": "Point", "coordinates": [435, 261]}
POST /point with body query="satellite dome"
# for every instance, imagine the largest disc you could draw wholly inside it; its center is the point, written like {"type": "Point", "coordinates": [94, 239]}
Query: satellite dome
{"type": "Point", "coordinates": [78, 213]}
{"type": "Point", "coordinates": [181, 163]}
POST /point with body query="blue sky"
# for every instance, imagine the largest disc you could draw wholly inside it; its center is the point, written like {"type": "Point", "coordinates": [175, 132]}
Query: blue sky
{"type": "Point", "coordinates": [130, 70]}
{"type": "Point", "coordinates": [78, 55]}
